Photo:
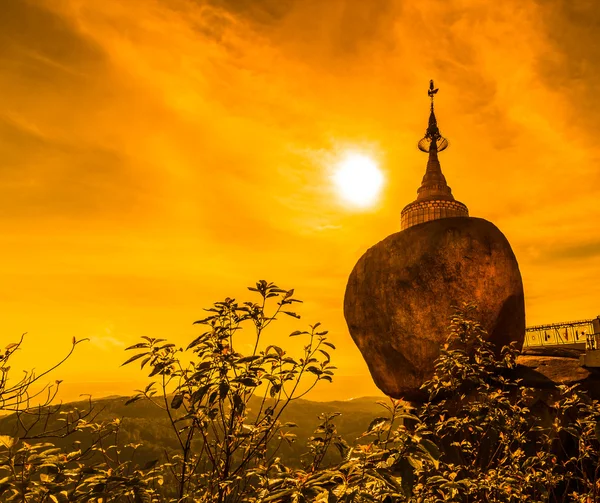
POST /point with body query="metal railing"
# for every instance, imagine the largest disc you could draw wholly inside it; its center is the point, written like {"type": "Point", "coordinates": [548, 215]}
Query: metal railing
{"type": "Point", "coordinates": [580, 334]}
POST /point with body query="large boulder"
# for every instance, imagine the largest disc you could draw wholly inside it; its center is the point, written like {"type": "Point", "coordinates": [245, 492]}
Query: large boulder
{"type": "Point", "coordinates": [402, 292]}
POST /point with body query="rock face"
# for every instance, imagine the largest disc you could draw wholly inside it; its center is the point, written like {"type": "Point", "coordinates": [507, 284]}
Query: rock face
{"type": "Point", "coordinates": [402, 292]}
{"type": "Point", "coordinates": [550, 371]}
{"type": "Point", "coordinates": [547, 368]}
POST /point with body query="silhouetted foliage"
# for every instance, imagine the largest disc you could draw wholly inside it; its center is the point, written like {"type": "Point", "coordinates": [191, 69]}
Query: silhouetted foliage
{"type": "Point", "coordinates": [226, 449]}
{"type": "Point", "coordinates": [218, 427]}
{"type": "Point", "coordinates": [475, 439]}
{"type": "Point", "coordinates": [34, 469]}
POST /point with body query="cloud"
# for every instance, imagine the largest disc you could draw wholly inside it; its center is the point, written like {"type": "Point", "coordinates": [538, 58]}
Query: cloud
{"type": "Point", "coordinates": [105, 339]}
{"type": "Point", "coordinates": [44, 176]}
{"type": "Point", "coordinates": [570, 65]}
{"type": "Point", "coordinates": [577, 252]}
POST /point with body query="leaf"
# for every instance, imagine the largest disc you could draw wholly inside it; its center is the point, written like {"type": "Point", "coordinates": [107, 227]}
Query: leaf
{"type": "Point", "coordinates": [247, 381]}
{"type": "Point", "coordinates": [329, 344]}
{"type": "Point", "coordinates": [597, 430]}
{"type": "Point", "coordinates": [170, 345]}
{"type": "Point", "coordinates": [290, 313]}
{"type": "Point", "coordinates": [238, 404]}
{"type": "Point", "coordinates": [342, 446]}
{"type": "Point", "coordinates": [246, 359]}
{"type": "Point", "coordinates": [177, 401]}
{"type": "Point", "coordinates": [133, 399]}
{"type": "Point", "coordinates": [385, 405]}
{"type": "Point", "coordinates": [194, 343]}
{"type": "Point", "coordinates": [430, 448]}
{"type": "Point", "coordinates": [326, 354]}
{"type": "Point", "coordinates": [314, 370]}
{"type": "Point", "coordinates": [139, 345]}
{"type": "Point", "coordinates": [297, 332]}
{"type": "Point", "coordinates": [134, 358]}
{"type": "Point", "coordinates": [145, 361]}
{"type": "Point", "coordinates": [277, 349]}
{"type": "Point", "coordinates": [7, 441]}
{"type": "Point", "coordinates": [157, 369]}
{"type": "Point", "coordinates": [378, 421]}
{"type": "Point", "coordinates": [415, 463]}
{"type": "Point", "coordinates": [275, 388]}
{"type": "Point", "coordinates": [223, 389]}
{"type": "Point", "coordinates": [205, 321]}
{"type": "Point", "coordinates": [198, 395]}
{"type": "Point", "coordinates": [44, 477]}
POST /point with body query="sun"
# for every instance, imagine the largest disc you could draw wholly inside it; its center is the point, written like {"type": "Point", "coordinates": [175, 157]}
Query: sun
{"type": "Point", "coordinates": [358, 179]}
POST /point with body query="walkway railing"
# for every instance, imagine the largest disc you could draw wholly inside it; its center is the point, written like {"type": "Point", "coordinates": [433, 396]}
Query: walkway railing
{"type": "Point", "coordinates": [581, 334]}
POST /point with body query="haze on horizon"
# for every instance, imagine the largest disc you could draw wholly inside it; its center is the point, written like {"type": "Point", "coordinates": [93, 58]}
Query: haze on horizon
{"type": "Point", "coordinates": [159, 155]}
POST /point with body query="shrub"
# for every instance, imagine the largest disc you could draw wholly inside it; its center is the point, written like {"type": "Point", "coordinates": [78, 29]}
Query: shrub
{"type": "Point", "coordinates": [474, 440]}
{"type": "Point", "coordinates": [481, 436]}
{"type": "Point", "coordinates": [34, 469]}
{"type": "Point", "coordinates": [228, 451]}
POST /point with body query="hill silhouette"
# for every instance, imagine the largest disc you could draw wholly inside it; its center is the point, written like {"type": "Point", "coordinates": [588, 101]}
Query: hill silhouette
{"type": "Point", "coordinates": [145, 425]}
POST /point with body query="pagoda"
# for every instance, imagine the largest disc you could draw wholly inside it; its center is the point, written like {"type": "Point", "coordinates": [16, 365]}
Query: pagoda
{"type": "Point", "coordinates": [404, 289]}
{"type": "Point", "coordinates": [434, 196]}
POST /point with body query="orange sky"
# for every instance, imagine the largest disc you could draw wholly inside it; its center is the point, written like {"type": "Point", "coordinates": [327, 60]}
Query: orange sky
{"type": "Point", "coordinates": [159, 155]}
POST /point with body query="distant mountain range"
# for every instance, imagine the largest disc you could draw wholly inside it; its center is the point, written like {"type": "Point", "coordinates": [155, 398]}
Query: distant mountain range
{"type": "Point", "coordinates": [143, 423]}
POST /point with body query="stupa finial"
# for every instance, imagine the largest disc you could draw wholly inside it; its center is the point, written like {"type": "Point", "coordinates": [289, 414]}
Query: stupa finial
{"type": "Point", "coordinates": [434, 196]}
{"type": "Point", "coordinates": [433, 138]}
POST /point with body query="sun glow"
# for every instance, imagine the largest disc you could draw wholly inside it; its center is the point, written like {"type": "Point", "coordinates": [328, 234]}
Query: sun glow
{"type": "Point", "coordinates": [358, 179]}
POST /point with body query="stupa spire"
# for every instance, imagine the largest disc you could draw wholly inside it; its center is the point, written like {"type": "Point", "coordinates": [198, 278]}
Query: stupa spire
{"type": "Point", "coordinates": [433, 185]}
{"type": "Point", "coordinates": [434, 189]}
